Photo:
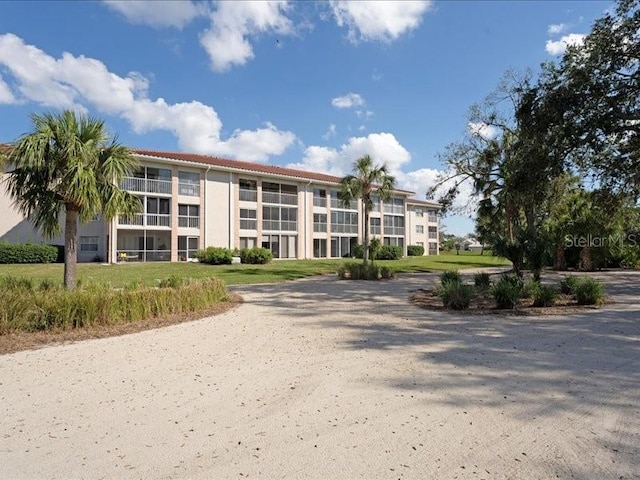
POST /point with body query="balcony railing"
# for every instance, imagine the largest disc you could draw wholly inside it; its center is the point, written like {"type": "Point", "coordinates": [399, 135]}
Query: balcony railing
{"type": "Point", "coordinates": [319, 202]}
{"type": "Point", "coordinates": [148, 220]}
{"type": "Point", "coordinates": [395, 209]}
{"type": "Point", "coordinates": [189, 222]}
{"type": "Point", "coordinates": [144, 255]}
{"type": "Point", "coordinates": [280, 198]}
{"type": "Point", "coordinates": [248, 224]}
{"type": "Point", "coordinates": [281, 226]}
{"type": "Point", "coordinates": [432, 218]}
{"type": "Point", "coordinates": [189, 189]}
{"type": "Point", "coordinates": [320, 227]}
{"type": "Point", "coordinates": [342, 228]}
{"type": "Point", "coordinates": [336, 203]}
{"type": "Point", "coordinates": [134, 184]}
{"type": "Point", "coordinates": [248, 195]}
{"type": "Point", "coordinates": [399, 231]}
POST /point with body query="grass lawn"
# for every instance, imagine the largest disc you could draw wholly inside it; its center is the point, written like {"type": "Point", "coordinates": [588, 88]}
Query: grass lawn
{"type": "Point", "coordinates": [277, 271]}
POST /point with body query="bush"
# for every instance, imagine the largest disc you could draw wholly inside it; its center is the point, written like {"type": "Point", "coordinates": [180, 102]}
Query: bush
{"type": "Point", "coordinates": [27, 253]}
{"type": "Point", "coordinates": [215, 256]}
{"type": "Point", "coordinates": [357, 251]}
{"type": "Point", "coordinates": [589, 291]}
{"type": "Point", "coordinates": [507, 291]}
{"type": "Point", "coordinates": [544, 296]}
{"type": "Point", "coordinates": [415, 250]}
{"type": "Point", "coordinates": [530, 289]}
{"type": "Point", "coordinates": [25, 308]}
{"type": "Point", "coordinates": [60, 250]}
{"type": "Point", "coordinates": [482, 281]}
{"type": "Point", "coordinates": [450, 276]}
{"type": "Point", "coordinates": [455, 295]}
{"type": "Point", "coordinates": [568, 285]}
{"type": "Point", "coordinates": [389, 252]}
{"type": "Point", "coordinates": [360, 271]}
{"type": "Point", "coordinates": [174, 281]}
{"type": "Point", "coordinates": [387, 273]}
{"type": "Point", "coordinates": [256, 255]}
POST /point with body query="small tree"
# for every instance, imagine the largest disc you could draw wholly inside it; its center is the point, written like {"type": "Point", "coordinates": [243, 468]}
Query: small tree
{"type": "Point", "coordinates": [68, 164]}
{"type": "Point", "coordinates": [367, 180]}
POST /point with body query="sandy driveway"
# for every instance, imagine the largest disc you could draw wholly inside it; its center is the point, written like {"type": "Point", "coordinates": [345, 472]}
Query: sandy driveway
{"type": "Point", "coordinates": [323, 378]}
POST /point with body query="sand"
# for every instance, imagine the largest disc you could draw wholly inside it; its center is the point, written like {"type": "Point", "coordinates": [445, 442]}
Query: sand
{"type": "Point", "coordinates": [322, 378]}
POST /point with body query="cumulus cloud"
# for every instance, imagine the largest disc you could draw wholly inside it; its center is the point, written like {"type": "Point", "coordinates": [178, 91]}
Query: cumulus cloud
{"type": "Point", "coordinates": [378, 20]}
{"type": "Point", "coordinates": [168, 13]}
{"type": "Point", "coordinates": [78, 82]}
{"type": "Point", "coordinates": [233, 23]}
{"type": "Point", "coordinates": [481, 129]}
{"type": "Point", "coordinates": [349, 100]}
{"type": "Point", "coordinates": [558, 47]}
{"type": "Point", "coordinates": [421, 180]}
{"type": "Point", "coordinates": [331, 132]}
{"type": "Point", "coordinates": [5, 93]}
{"type": "Point", "coordinates": [557, 28]}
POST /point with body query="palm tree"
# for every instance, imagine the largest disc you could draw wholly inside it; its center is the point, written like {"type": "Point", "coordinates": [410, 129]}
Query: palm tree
{"type": "Point", "coordinates": [69, 164]}
{"type": "Point", "coordinates": [367, 180]}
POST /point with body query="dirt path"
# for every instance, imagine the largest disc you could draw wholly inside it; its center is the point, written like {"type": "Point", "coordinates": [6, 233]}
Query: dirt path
{"type": "Point", "coordinates": [327, 379]}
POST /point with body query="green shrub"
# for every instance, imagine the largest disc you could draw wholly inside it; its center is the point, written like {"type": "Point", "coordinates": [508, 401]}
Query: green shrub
{"type": "Point", "coordinates": [589, 291]}
{"type": "Point", "coordinates": [360, 271]}
{"type": "Point", "coordinates": [482, 281]}
{"type": "Point", "coordinates": [530, 289]}
{"type": "Point", "coordinates": [27, 309]}
{"type": "Point", "coordinates": [387, 273]}
{"type": "Point", "coordinates": [456, 295]}
{"type": "Point", "coordinates": [450, 276]}
{"type": "Point", "coordinates": [374, 248]}
{"type": "Point", "coordinates": [174, 281]}
{"type": "Point", "coordinates": [415, 250]}
{"type": "Point", "coordinates": [568, 285]}
{"type": "Point", "coordinates": [544, 296]}
{"type": "Point", "coordinates": [27, 253]}
{"type": "Point", "coordinates": [256, 255]}
{"type": "Point", "coordinates": [357, 251]}
{"type": "Point", "coordinates": [215, 256]}
{"type": "Point", "coordinates": [507, 291]}
{"type": "Point", "coordinates": [389, 252]}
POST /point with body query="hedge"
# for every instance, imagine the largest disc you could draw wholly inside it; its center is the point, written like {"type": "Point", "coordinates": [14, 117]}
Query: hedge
{"type": "Point", "coordinates": [389, 252]}
{"type": "Point", "coordinates": [255, 255]}
{"type": "Point", "coordinates": [415, 250]}
{"type": "Point", "coordinates": [27, 253]}
{"type": "Point", "coordinates": [215, 256]}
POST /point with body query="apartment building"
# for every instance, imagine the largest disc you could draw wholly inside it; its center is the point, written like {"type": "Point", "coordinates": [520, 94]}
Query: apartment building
{"type": "Point", "coordinates": [194, 201]}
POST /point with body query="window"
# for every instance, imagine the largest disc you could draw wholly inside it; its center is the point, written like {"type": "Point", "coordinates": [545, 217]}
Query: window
{"type": "Point", "coordinates": [342, 246]}
{"type": "Point", "coordinates": [282, 246]}
{"type": "Point", "coordinates": [279, 218]}
{"type": "Point", "coordinates": [289, 219]}
{"type": "Point", "coordinates": [319, 197]}
{"type": "Point", "coordinates": [279, 193]}
{"type": "Point", "coordinates": [89, 244]}
{"type": "Point", "coordinates": [247, 242]}
{"type": "Point", "coordinates": [344, 222]}
{"type": "Point", "coordinates": [319, 222]}
{"type": "Point", "coordinates": [248, 219]}
{"type": "Point", "coordinates": [433, 232]}
{"type": "Point", "coordinates": [393, 225]}
{"type": "Point", "coordinates": [319, 247]}
{"type": "Point", "coordinates": [432, 216]}
{"type": "Point", "coordinates": [419, 228]}
{"type": "Point", "coordinates": [189, 184]}
{"type": "Point", "coordinates": [420, 244]}
{"type": "Point", "coordinates": [375, 226]}
{"type": "Point", "coordinates": [395, 205]}
{"type": "Point", "coordinates": [395, 241]}
{"type": "Point", "coordinates": [189, 216]}
{"type": "Point", "coordinates": [248, 190]}
{"type": "Point", "coordinates": [433, 248]}
{"type": "Point", "coordinates": [337, 203]}
{"type": "Point", "coordinates": [375, 199]}
{"type": "Point", "coordinates": [187, 248]}
{"type": "Point", "coordinates": [158, 212]}
{"type": "Point", "coordinates": [419, 212]}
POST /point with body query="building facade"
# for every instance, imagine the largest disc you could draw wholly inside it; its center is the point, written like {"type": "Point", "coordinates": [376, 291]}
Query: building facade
{"type": "Point", "coordinates": [191, 202]}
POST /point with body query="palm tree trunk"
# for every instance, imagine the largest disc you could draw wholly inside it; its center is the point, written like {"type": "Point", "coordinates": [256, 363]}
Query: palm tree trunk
{"type": "Point", "coordinates": [559, 262]}
{"type": "Point", "coordinates": [70, 248]}
{"type": "Point", "coordinates": [365, 253]}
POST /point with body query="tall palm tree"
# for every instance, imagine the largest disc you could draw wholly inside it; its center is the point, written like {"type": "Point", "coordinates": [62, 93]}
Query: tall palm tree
{"type": "Point", "coordinates": [366, 181]}
{"type": "Point", "coordinates": [69, 164]}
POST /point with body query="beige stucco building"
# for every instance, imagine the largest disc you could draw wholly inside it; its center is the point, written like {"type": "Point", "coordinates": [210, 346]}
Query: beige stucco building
{"type": "Point", "coordinates": [194, 201]}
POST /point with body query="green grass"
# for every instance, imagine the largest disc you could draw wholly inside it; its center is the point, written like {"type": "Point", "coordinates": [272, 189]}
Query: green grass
{"type": "Point", "coordinates": [150, 274]}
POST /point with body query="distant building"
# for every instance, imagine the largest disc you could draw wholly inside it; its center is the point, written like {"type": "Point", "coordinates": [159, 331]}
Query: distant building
{"type": "Point", "coordinates": [191, 202]}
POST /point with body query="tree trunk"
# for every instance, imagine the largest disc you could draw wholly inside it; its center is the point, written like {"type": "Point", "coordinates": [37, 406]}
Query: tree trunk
{"type": "Point", "coordinates": [585, 259]}
{"type": "Point", "coordinates": [559, 260]}
{"type": "Point", "coordinates": [365, 252]}
{"type": "Point", "coordinates": [70, 248]}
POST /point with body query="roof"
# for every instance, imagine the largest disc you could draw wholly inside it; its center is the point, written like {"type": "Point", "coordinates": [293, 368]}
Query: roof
{"type": "Point", "coordinates": [242, 165]}
{"type": "Point", "coordinates": [426, 203]}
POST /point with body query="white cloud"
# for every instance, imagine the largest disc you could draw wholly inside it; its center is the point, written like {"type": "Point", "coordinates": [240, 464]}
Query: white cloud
{"type": "Point", "coordinates": [5, 93]}
{"type": "Point", "coordinates": [557, 28]}
{"type": "Point", "coordinates": [349, 100]}
{"type": "Point", "coordinates": [421, 180]}
{"type": "Point", "coordinates": [383, 148]}
{"type": "Point", "coordinates": [560, 46]}
{"type": "Point", "coordinates": [232, 23]}
{"type": "Point", "coordinates": [364, 114]}
{"type": "Point", "coordinates": [378, 20]}
{"type": "Point", "coordinates": [73, 82]}
{"type": "Point", "coordinates": [481, 129]}
{"type": "Point", "coordinates": [331, 132]}
{"type": "Point", "coordinates": [167, 13]}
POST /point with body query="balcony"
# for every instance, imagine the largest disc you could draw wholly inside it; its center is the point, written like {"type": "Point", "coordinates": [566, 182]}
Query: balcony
{"type": "Point", "coordinates": [189, 189]}
{"type": "Point", "coordinates": [145, 185]}
{"type": "Point", "coordinates": [397, 231]}
{"type": "Point", "coordinates": [248, 224]}
{"type": "Point", "coordinates": [344, 228]}
{"type": "Point", "coordinates": [248, 195]}
{"type": "Point", "coordinates": [189, 222]}
{"type": "Point", "coordinates": [320, 227]}
{"type": "Point", "coordinates": [280, 198]}
{"type": "Point", "coordinates": [280, 226]}
{"type": "Point", "coordinates": [144, 255]}
{"type": "Point", "coordinates": [148, 220]}
{"type": "Point", "coordinates": [337, 203]}
{"type": "Point", "coordinates": [394, 209]}
{"type": "Point", "coordinates": [319, 201]}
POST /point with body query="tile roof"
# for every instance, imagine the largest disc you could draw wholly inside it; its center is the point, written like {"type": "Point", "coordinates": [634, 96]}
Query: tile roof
{"type": "Point", "coordinates": [242, 165]}
{"type": "Point", "coordinates": [428, 203]}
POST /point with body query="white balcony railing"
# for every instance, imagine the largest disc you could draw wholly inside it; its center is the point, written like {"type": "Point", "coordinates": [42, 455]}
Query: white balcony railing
{"type": "Point", "coordinates": [134, 184]}
{"type": "Point", "coordinates": [320, 227]}
{"type": "Point", "coordinates": [337, 203]}
{"type": "Point", "coordinates": [248, 224]}
{"type": "Point", "coordinates": [189, 189]}
{"type": "Point", "coordinates": [343, 228]}
{"type": "Point", "coordinates": [280, 198]}
{"type": "Point", "coordinates": [398, 231]}
{"type": "Point", "coordinates": [279, 226]}
{"type": "Point", "coordinates": [319, 202]}
{"type": "Point", "coordinates": [248, 195]}
{"type": "Point", "coordinates": [149, 220]}
{"type": "Point", "coordinates": [189, 222]}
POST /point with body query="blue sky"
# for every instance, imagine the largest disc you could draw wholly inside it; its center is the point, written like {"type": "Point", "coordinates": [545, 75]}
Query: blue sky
{"type": "Point", "coordinates": [311, 85]}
